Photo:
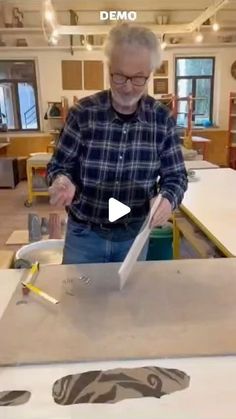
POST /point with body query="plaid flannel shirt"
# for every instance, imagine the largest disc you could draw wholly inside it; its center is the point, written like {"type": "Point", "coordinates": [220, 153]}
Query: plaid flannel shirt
{"type": "Point", "coordinates": [106, 157]}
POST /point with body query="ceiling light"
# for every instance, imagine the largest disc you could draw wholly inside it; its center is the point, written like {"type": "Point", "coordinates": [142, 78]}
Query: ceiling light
{"type": "Point", "coordinates": [215, 26]}
{"type": "Point", "coordinates": [163, 42]}
{"type": "Point", "coordinates": [163, 45]}
{"type": "Point", "coordinates": [199, 37]}
{"type": "Point", "coordinates": [89, 47]}
{"type": "Point", "coordinates": [55, 33]}
{"type": "Point", "coordinates": [54, 40]}
{"type": "Point", "coordinates": [49, 15]}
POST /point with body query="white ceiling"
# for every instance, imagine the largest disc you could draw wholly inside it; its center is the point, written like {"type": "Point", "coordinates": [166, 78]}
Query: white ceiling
{"type": "Point", "coordinates": [137, 5]}
{"type": "Point", "coordinates": [178, 12]}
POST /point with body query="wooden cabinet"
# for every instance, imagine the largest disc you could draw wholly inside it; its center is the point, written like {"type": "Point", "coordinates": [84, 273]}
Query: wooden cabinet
{"type": "Point", "coordinates": [217, 148]}
{"type": "Point", "coordinates": [23, 145]}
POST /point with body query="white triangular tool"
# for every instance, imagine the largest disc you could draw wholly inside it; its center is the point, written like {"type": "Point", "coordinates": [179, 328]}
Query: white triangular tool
{"type": "Point", "coordinates": [140, 240]}
{"type": "Point", "coordinates": [117, 210]}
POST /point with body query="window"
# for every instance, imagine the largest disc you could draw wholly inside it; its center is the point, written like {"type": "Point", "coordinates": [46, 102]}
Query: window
{"type": "Point", "coordinates": [18, 95]}
{"type": "Point", "coordinates": [195, 76]}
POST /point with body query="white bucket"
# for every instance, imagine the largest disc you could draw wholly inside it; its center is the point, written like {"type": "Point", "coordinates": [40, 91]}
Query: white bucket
{"type": "Point", "coordinates": [46, 252]}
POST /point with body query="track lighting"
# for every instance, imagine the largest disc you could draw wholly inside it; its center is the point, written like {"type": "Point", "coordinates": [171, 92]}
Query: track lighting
{"type": "Point", "coordinates": [198, 37]}
{"type": "Point", "coordinates": [163, 43]}
{"type": "Point", "coordinates": [215, 26]}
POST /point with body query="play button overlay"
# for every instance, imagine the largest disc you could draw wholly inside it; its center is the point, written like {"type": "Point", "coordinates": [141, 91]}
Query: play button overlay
{"type": "Point", "coordinates": [117, 210]}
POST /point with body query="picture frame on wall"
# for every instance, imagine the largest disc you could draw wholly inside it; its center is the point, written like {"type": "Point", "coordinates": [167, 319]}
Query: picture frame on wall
{"type": "Point", "coordinates": [162, 71]}
{"type": "Point", "coordinates": [160, 86]}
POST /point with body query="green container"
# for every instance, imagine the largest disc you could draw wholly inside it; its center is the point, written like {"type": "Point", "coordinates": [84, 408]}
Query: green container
{"type": "Point", "coordinates": [160, 243]}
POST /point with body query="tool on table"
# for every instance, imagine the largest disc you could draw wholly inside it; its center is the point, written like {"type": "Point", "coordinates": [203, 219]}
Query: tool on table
{"type": "Point", "coordinates": [68, 283]}
{"type": "Point", "coordinates": [40, 292]}
{"type": "Point", "coordinates": [34, 270]}
{"type": "Point", "coordinates": [28, 285]}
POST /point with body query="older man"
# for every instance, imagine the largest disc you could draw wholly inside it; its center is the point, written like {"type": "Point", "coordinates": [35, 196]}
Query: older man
{"type": "Point", "coordinates": [115, 144]}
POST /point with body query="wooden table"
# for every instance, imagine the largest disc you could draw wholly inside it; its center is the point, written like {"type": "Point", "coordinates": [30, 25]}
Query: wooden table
{"type": "Point", "coordinates": [3, 149]}
{"type": "Point", "coordinates": [6, 258]}
{"type": "Point", "coordinates": [200, 144]}
{"type": "Point", "coordinates": [212, 379]}
{"type": "Point", "coordinates": [210, 204]}
{"type": "Point", "coordinates": [199, 164]}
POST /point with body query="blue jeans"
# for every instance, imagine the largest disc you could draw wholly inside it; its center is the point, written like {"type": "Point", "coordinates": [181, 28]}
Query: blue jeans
{"type": "Point", "coordinates": [88, 244]}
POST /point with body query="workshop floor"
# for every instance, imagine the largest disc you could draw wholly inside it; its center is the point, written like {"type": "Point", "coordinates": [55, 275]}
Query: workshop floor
{"type": "Point", "coordinates": [14, 216]}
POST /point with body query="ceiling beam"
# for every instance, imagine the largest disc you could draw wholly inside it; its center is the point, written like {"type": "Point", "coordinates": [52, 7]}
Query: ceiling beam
{"type": "Point", "coordinates": [208, 13]}
{"type": "Point", "coordinates": [102, 29]}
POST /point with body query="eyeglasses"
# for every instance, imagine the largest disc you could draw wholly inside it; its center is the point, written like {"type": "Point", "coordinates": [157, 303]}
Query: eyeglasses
{"type": "Point", "coordinates": [135, 80]}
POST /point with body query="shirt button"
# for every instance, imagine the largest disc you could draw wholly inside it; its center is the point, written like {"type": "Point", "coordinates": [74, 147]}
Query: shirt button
{"type": "Point", "coordinates": [117, 183]}
{"type": "Point", "coordinates": [121, 157]}
{"type": "Point", "coordinates": [124, 131]}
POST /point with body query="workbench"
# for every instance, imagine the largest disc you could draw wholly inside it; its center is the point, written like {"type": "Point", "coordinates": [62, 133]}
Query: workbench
{"type": "Point", "coordinates": [200, 144]}
{"type": "Point", "coordinates": [6, 259]}
{"type": "Point", "coordinates": [209, 205]}
{"type": "Point", "coordinates": [211, 378]}
{"type": "Point", "coordinates": [199, 164]}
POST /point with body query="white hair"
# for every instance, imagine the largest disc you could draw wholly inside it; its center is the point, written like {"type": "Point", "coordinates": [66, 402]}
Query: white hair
{"type": "Point", "coordinates": [137, 36]}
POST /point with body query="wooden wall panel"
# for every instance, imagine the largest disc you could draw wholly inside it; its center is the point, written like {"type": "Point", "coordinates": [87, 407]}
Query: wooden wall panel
{"type": "Point", "coordinates": [93, 75]}
{"type": "Point", "coordinates": [71, 75]}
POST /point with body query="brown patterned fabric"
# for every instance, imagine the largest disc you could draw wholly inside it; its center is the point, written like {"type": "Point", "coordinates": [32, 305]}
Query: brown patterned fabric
{"type": "Point", "coordinates": [14, 398]}
{"type": "Point", "coordinates": [112, 386]}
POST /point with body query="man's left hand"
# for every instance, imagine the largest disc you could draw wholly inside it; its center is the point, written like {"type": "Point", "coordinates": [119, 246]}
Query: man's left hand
{"type": "Point", "coordinates": [162, 214]}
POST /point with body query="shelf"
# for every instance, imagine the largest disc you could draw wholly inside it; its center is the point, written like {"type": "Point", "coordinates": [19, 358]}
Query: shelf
{"type": "Point", "coordinates": [233, 131]}
{"type": "Point", "coordinates": [233, 114]}
{"type": "Point", "coordinates": [229, 26]}
{"type": "Point", "coordinates": [182, 98]}
{"type": "Point", "coordinates": [54, 117]}
{"type": "Point", "coordinates": [202, 45]}
{"type": "Point", "coordinates": [13, 31]}
{"type": "Point", "coordinates": [99, 47]}
{"type": "Point", "coordinates": [193, 113]}
{"type": "Point", "coordinates": [222, 26]}
{"type": "Point", "coordinates": [46, 48]}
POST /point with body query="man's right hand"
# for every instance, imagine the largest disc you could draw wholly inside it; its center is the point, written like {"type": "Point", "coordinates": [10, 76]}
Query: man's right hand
{"type": "Point", "coordinates": [62, 191]}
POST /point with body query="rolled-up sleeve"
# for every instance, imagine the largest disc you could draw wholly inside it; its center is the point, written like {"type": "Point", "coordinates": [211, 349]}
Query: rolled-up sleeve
{"type": "Point", "coordinates": [173, 175]}
{"type": "Point", "coordinates": [65, 156]}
